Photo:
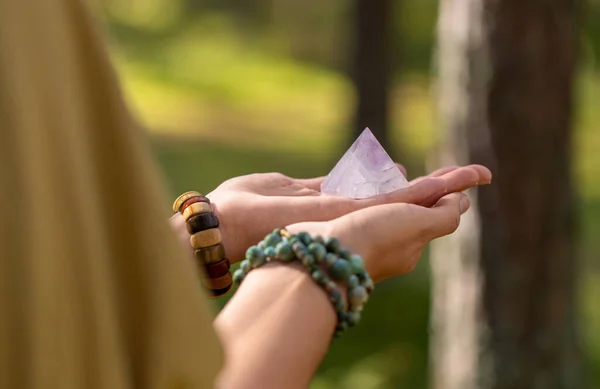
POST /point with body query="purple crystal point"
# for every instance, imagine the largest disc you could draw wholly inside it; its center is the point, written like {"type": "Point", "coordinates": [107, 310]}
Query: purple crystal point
{"type": "Point", "coordinates": [365, 170]}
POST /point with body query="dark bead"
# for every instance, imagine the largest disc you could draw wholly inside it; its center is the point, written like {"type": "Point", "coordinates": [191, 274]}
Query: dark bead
{"type": "Point", "coordinates": [357, 295]}
{"type": "Point", "coordinates": [193, 200]}
{"type": "Point", "coordinates": [218, 283]}
{"type": "Point", "coordinates": [330, 259]}
{"type": "Point", "coordinates": [332, 244]}
{"type": "Point", "coordinates": [318, 251]}
{"type": "Point", "coordinates": [318, 239]}
{"type": "Point", "coordinates": [221, 292]}
{"type": "Point", "coordinates": [342, 326]}
{"type": "Point", "coordinates": [335, 295]}
{"type": "Point", "coordinates": [340, 270]}
{"type": "Point", "coordinates": [362, 275]}
{"type": "Point", "coordinates": [318, 276]}
{"type": "Point", "coordinates": [270, 252]}
{"type": "Point", "coordinates": [344, 254]}
{"type": "Point", "coordinates": [340, 306]}
{"type": "Point", "coordinates": [255, 256]}
{"type": "Point", "coordinates": [245, 266]}
{"type": "Point", "coordinates": [201, 222]}
{"type": "Point", "coordinates": [285, 252]}
{"type": "Point", "coordinates": [305, 238]}
{"type": "Point", "coordinates": [238, 276]}
{"type": "Point", "coordinates": [342, 316]}
{"type": "Point", "coordinates": [353, 281]}
{"type": "Point", "coordinates": [353, 318]}
{"type": "Point", "coordinates": [217, 269]}
{"type": "Point", "coordinates": [308, 260]}
{"type": "Point", "coordinates": [356, 263]}
{"type": "Point", "coordinates": [272, 239]}
{"type": "Point", "coordinates": [210, 254]}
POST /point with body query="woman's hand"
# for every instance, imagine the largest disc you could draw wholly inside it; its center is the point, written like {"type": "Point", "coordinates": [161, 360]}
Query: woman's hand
{"type": "Point", "coordinates": [251, 206]}
{"type": "Point", "coordinates": [391, 237]}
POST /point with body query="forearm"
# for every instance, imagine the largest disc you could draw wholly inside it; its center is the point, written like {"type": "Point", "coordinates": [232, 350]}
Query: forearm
{"type": "Point", "coordinates": [276, 330]}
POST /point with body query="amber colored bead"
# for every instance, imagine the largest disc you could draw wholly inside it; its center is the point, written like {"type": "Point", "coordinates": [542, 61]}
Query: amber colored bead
{"type": "Point", "coordinates": [193, 200]}
{"type": "Point", "coordinates": [220, 292]}
{"type": "Point", "coordinates": [212, 254]}
{"type": "Point", "coordinates": [201, 222]}
{"type": "Point", "coordinates": [196, 209]}
{"type": "Point", "coordinates": [206, 238]}
{"type": "Point", "coordinates": [217, 269]}
{"type": "Point", "coordinates": [183, 198]}
{"type": "Point", "coordinates": [218, 283]}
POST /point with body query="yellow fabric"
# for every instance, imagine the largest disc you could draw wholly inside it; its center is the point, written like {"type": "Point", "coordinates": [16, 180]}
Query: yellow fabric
{"type": "Point", "coordinates": [95, 291]}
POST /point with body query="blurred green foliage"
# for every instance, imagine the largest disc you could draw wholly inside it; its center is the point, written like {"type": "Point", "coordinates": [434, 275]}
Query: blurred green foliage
{"type": "Point", "coordinates": [229, 88]}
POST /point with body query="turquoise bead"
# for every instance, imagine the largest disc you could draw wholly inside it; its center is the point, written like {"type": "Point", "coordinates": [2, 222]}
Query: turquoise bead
{"type": "Point", "coordinates": [353, 281]}
{"type": "Point", "coordinates": [284, 252]}
{"type": "Point", "coordinates": [255, 256]}
{"type": "Point", "coordinates": [335, 295]}
{"type": "Point", "coordinates": [342, 326]}
{"type": "Point", "coordinates": [318, 239]}
{"type": "Point", "coordinates": [318, 251]}
{"type": "Point", "coordinates": [333, 245]}
{"type": "Point", "coordinates": [344, 253]}
{"type": "Point", "coordinates": [362, 275]}
{"type": "Point", "coordinates": [261, 245]}
{"type": "Point", "coordinates": [318, 276]}
{"type": "Point", "coordinates": [353, 318]}
{"type": "Point", "coordinates": [304, 237]}
{"type": "Point", "coordinates": [257, 260]}
{"type": "Point", "coordinates": [340, 306]}
{"type": "Point", "coordinates": [340, 270]}
{"type": "Point", "coordinates": [357, 295]}
{"type": "Point", "coordinates": [299, 249]}
{"type": "Point", "coordinates": [330, 286]}
{"type": "Point", "coordinates": [308, 260]}
{"type": "Point", "coordinates": [270, 252]}
{"type": "Point", "coordinates": [238, 276]}
{"type": "Point", "coordinates": [369, 285]}
{"type": "Point", "coordinates": [330, 259]}
{"type": "Point", "coordinates": [342, 316]}
{"type": "Point", "coordinates": [245, 266]}
{"type": "Point", "coordinates": [356, 263]}
{"type": "Point", "coordinates": [272, 239]}
{"type": "Point", "coordinates": [253, 251]}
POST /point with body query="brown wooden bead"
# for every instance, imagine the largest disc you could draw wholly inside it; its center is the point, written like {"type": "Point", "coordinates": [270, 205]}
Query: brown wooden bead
{"type": "Point", "coordinates": [220, 292]}
{"type": "Point", "coordinates": [217, 269]}
{"type": "Point", "coordinates": [201, 222]}
{"type": "Point", "coordinates": [206, 238]}
{"type": "Point", "coordinates": [183, 198]}
{"type": "Point", "coordinates": [195, 199]}
{"type": "Point", "coordinates": [218, 283]}
{"type": "Point", "coordinates": [212, 254]}
{"type": "Point", "coordinates": [196, 209]}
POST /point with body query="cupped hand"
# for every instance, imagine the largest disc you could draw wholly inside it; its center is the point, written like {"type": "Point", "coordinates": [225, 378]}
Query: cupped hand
{"type": "Point", "coordinates": [251, 206]}
{"type": "Point", "coordinates": [391, 237]}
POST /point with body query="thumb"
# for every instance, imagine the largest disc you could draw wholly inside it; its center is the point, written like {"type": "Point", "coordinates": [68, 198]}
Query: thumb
{"type": "Point", "coordinates": [444, 216]}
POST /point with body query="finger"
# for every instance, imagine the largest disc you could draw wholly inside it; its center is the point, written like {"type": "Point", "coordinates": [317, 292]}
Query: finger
{"type": "Point", "coordinates": [436, 173]}
{"type": "Point", "coordinates": [444, 218]}
{"type": "Point", "coordinates": [402, 169]}
{"type": "Point", "coordinates": [311, 183]}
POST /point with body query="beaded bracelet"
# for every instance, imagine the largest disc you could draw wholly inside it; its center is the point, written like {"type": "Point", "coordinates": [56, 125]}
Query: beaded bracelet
{"type": "Point", "coordinates": [205, 238]}
{"type": "Point", "coordinates": [316, 253]}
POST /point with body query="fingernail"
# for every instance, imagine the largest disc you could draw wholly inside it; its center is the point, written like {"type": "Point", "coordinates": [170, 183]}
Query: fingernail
{"type": "Point", "coordinates": [484, 183]}
{"type": "Point", "coordinates": [464, 204]}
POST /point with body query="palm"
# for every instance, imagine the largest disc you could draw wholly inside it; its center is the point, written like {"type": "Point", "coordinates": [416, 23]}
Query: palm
{"type": "Point", "coordinates": [253, 205]}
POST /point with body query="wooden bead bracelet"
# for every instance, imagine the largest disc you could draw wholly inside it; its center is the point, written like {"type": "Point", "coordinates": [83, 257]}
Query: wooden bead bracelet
{"type": "Point", "coordinates": [205, 238]}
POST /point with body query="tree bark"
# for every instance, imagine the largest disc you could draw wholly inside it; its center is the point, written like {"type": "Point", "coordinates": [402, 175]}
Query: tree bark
{"type": "Point", "coordinates": [504, 296]}
{"type": "Point", "coordinates": [372, 67]}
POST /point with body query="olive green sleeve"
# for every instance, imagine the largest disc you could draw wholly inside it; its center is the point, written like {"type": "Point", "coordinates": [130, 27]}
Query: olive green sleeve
{"type": "Point", "coordinates": [95, 291]}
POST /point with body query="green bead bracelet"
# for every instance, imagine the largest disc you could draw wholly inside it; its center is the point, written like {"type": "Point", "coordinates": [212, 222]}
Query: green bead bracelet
{"type": "Point", "coordinates": [326, 261]}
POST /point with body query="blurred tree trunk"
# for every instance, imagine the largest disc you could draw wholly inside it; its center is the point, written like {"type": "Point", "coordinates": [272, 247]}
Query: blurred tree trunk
{"type": "Point", "coordinates": [504, 285]}
{"type": "Point", "coordinates": [372, 67]}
